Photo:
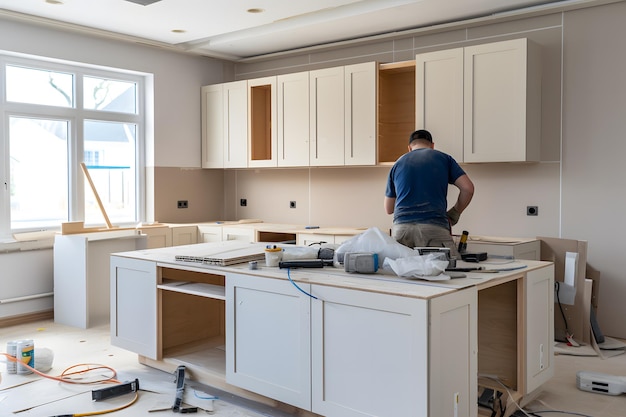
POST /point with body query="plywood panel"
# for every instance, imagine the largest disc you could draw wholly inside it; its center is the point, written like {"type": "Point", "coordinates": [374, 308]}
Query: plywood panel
{"type": "Point", "coordinates": [576, 320]}
{"type": "Point", "coordinates": [396, 110]}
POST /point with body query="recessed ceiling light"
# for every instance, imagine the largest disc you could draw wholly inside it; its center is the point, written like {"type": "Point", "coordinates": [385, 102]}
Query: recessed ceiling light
{"type": "Point", "coordinates": [255, 10]}
{"type": "Point", "coordinates": [143, 2]}
{"type": "Point", "coordinates": [54, 2]}
{"type": "Point", "coordinates": [178, 31]}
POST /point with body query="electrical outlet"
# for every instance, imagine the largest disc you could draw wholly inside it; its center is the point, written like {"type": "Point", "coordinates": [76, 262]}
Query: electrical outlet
{"type": "Point", "coordinates": [183, 204]}
{"type": "Point", "coordinates": [292, 204]}
{"type": "Point", "coordinates": [243, 202]}
{"type": "Point", "coordinates": [532, 210]}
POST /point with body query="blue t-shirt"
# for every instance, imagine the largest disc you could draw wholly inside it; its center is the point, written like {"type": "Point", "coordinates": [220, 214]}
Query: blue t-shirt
{"type": "Point", "coordinates": [419, 182]}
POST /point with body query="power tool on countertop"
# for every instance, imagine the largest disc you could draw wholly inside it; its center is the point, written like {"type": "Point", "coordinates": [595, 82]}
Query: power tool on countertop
{"type": "Point", "coordinates": [469, 256]}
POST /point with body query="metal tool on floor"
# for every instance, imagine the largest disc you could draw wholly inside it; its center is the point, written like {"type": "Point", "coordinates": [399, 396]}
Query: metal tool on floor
{"type": "Point", "coordinates": [110, 392]}
{"type": "Point", "coordinates": [180, 391]}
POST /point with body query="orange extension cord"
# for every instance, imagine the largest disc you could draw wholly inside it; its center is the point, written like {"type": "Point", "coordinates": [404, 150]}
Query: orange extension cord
{"type": "Point", "coordinates": [70, 374]}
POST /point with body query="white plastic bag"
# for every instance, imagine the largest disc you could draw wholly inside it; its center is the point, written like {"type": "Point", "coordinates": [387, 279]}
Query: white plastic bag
{"type": "Point", "coordinates": [373, 240]}
{"type": "Point", "coordinates": [430, 266]}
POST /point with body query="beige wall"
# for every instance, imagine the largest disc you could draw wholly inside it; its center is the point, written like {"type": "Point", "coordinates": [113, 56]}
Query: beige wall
{"type": "Point", "coordinates": [202, 188]}
{"type": "Point", "coordinates": [594, 149]}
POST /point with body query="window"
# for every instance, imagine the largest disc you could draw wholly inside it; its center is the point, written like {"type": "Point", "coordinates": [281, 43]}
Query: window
{"type": "Point", "coordinates": [55, 119]}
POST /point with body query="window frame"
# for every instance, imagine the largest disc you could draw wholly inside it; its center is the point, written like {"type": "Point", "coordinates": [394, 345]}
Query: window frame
{"type": "Point", "coordinates": [75, 115]}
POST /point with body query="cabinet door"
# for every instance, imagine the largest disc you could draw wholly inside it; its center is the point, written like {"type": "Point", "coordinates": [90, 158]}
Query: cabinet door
{"type": "Point", "coordinates": [326, 133]}
{"type": "Point", "coordinates": [306, 239]}
{"type": "Point", "coordinates": [439, 99]}
{"type": "Point", "coordinates": [502, 86]}
{"type": "Point", "coordinates": [209, 233]}
{"type": "Point", "coordinates": [236, 124]}
{"type": "Point", "coordinates": [184, 235]}
{"type": "Point", "coordinates": [245, 234]}
{"type": "Point", "coordinates": [454, 354]}
{"type": "Point", "coordinates": [212, 126]}
{"type": "Point", "coordinates": [293, 119]}
{"type": "Point", "coordinates": [360, 114]}
{"type": "Point", "coordinates": [158, 237]}
{"type": "Point", "coordinates": [539, 308]}
{"type": "Point", "coordinates": [262, 135]}
{"type": "Point", "coordinates": [369, 354]}
{"type": "Point", "coordinates": [268, 338]}
{"type": "Point", "coordinates": [134, 306]}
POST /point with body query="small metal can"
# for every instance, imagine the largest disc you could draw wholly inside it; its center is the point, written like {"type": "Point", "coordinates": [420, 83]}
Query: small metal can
{"type": "Point", "coordinates": [11, 351]}
{"type": "Point", "coordinates": [25, 355]}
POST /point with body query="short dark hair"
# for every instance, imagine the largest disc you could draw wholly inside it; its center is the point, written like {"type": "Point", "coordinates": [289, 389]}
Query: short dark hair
{"type": "Point", "coordinates": [421, 134]}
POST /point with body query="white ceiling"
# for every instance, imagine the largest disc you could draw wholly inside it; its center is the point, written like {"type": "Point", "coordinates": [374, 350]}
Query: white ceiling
{"type": "Point", "coordinates": [225, 28]}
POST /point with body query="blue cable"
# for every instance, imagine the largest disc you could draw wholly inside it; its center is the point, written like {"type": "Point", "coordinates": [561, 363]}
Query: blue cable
{"type": "Point", "coordinates": [210, 397]}
{"type": "Point", "coordinates": [296, 285]}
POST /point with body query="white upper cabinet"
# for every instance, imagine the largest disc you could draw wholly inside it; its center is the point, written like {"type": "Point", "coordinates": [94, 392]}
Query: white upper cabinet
{"type": "Point", "coordinates": [343, 115]}
{"type": "Point", "coordinates": [439, 99]}
{"type": "Point", "coordinates": [235, 96]}
{"type": "Point", "coordinates": [293, 119]}
{"type": "Point", "coordinates": [212, 126]}
{"type": "Point", "coordinates": [502, 84]}
{"type": "Point", "coordinates": [326, 125]}
{"type": "Point", "coordinates": [482, 103]}
{"type": "Point", "coordinates": [360, 114]}
{"type": "Point", "coordinates": [262, 121]}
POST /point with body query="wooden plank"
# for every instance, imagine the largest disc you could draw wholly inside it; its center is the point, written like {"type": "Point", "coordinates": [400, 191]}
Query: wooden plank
{"type": "Point", "coordinates": [30, 236]}
{"type": "Point", "coordinates": [95, 192]}
{"type": "Point", "coordinates": [72, 228]}
{"type": "Point", "coordinates": [554, 250]}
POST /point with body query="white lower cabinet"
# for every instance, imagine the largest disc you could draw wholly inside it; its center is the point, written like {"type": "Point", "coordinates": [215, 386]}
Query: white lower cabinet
{"type": "Point", "coordinates": [351, 353]}
{"type": "Point", "coordinates": [209, 233]}
{"type": "Point", "coordinates": [81, 262]}
{"type": "Point", "coordinates": [184, 234]}
{"type": "Point", "coordinates": [398, 349]}
{"type": "Point", "coordinates": [539, 331]}
{"type": "Point", "coordinates": [268, 345]}
{"type": "Point", "coordinates": [134, 313]}
{"type": "Point", "coordinates": [371, 354]}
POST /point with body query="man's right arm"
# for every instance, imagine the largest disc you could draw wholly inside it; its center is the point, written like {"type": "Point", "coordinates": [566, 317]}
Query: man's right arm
{"type": "Point", "coordinates": [466, 192]}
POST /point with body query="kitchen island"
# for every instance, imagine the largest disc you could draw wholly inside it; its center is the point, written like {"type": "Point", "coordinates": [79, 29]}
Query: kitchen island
{"type": "Point", "coordinates": [326, 342]}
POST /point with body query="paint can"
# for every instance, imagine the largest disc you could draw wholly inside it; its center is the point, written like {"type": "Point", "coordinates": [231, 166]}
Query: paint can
{"type": "Point", "coordinates": [25, 355]}
{"type": "Point", "coordinates": [11, 351]}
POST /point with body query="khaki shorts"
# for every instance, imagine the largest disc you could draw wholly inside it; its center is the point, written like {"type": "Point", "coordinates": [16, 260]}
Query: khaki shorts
{"type": "Point", "coordinates": [420, 235]}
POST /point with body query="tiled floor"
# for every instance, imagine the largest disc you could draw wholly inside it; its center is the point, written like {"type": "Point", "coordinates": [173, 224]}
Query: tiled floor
{"type": "Point", "coordinates": [38, 396]}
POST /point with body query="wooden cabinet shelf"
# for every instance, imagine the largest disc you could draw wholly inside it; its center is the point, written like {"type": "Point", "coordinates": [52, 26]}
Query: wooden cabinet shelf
{"type": "Point", "coordinates": [195, 288]}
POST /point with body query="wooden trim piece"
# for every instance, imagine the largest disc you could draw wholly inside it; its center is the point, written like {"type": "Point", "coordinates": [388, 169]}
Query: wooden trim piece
{"type": "Point", "coordinates": [403, 65]}
{"type": "Point", "coordinates": [27, 318]}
